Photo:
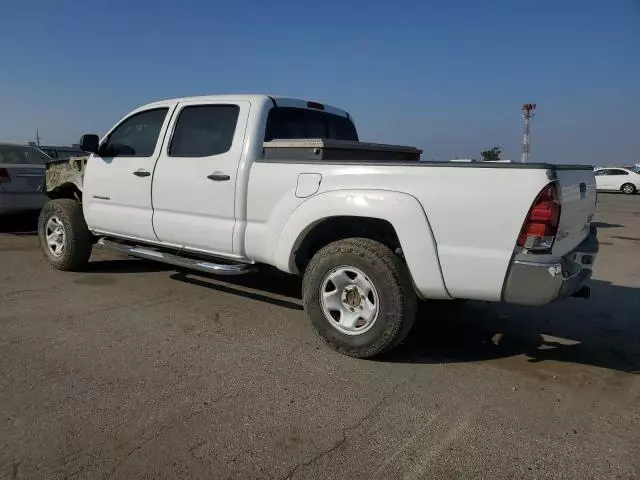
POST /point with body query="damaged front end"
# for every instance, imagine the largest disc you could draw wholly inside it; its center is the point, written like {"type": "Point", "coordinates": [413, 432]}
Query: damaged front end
{"type": "Point", "coordinates": [64, 178]}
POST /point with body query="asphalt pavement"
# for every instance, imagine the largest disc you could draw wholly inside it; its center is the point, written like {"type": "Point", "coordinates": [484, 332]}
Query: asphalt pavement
{"type": "Point", "coordinates": [133, 370]}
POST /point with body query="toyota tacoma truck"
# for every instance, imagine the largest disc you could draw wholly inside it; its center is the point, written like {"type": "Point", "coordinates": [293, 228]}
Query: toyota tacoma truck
{"type": "Point", "coordinates": [226, 184]}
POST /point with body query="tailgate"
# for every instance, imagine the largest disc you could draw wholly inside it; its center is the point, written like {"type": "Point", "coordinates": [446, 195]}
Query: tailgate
{"type": "Point", "coordinates": [578, 198]}
{"type": "Point", "coordinates": [21, 178]}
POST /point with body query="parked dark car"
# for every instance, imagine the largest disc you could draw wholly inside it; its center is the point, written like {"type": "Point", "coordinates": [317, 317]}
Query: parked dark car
{"type": "Point", "coordinates": [62, 153]}
{"type": "Point", "coordinates": [22, 170]}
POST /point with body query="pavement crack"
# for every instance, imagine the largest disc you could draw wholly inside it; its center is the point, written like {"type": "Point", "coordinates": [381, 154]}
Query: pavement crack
{"type": "Point", "coordinates": [150, 301]}
{"type": "Point", "coordinates": [138, 446]}
{"type": "Point", "coordinates": [196, 446]}
{"type": "Point", "coordinates": [25, 293]}
{"type": "Point", "coordinates": [140, 441]}
{"type": "Point", "coordinates": [343, 432]}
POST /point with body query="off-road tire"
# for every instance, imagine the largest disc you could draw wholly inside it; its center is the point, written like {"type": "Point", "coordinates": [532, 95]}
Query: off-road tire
{"type": "Point", "coordinates": [78, 241]}
{"type": "Point", "coordinates": [389, 275]}
{"type": "Point", "coordinates": [628, 188]}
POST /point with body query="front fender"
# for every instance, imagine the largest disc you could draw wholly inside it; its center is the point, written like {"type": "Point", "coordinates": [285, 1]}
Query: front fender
{"type": "Point", "coordinates": [66, 173]}
{"type": "Point", "coordinates": [404, 212]}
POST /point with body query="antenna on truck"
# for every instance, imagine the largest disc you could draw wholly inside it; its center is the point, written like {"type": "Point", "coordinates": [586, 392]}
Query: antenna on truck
{"type": "Point", "coordinates": [528, 110]}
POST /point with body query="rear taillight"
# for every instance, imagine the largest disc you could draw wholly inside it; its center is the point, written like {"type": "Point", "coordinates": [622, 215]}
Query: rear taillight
{"type": "Point", "coordinates": [4, 175]}
{"type": "Point", "coordinates": [541, 226]}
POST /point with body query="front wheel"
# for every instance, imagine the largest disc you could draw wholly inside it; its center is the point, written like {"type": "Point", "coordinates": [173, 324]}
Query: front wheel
{"type": "Point", "coordinates": [359, 297]}
{"type": "Point", "coordinates": [628, 188]}
{"type": "Point", "coordinates": [64, 236]}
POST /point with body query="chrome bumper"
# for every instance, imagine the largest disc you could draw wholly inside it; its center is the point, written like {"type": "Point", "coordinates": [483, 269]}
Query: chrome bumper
{"type": "Point", "coordinates": [538, 283]}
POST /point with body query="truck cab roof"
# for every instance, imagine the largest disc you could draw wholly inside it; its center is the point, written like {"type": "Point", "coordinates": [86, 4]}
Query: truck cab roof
{"type": "Point", "coordinates": [255, 98]}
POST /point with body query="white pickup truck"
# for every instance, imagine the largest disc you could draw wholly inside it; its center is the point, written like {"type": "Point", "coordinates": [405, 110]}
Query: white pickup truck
{"type": "Point", "coordinates": [224, 184]}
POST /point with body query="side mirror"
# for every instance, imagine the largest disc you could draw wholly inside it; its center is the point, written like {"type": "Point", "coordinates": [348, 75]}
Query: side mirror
{"type": "Point", "coordinates": [89, 143]}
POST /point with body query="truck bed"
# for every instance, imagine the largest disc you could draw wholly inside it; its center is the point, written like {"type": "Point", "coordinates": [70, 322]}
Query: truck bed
{"type": "Point", "coordinates": [474, 210]}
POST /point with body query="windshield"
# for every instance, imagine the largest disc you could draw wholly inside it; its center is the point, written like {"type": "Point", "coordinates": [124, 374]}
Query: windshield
{"type": "Point", "coordinates": [18, 154]}
{"type": "Point", "coordinates": [635, 168]}
{"type": "Point", "coordinates": [285, 123]}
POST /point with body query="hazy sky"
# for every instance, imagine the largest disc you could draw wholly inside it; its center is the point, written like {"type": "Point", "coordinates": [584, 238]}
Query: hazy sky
{"type": "Point", "coordinates": [446, 76]}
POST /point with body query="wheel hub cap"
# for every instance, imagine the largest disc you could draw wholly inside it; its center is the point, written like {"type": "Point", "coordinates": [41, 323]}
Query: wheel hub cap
{"type": "Point", "coordinates": [55, 233]}
{"type": "Point", "coordinates": [351, 296]}
{"type": "Point", "coordinates": [349, 300]}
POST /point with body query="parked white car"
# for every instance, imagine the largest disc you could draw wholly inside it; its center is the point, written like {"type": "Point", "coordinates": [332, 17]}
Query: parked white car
{"type": "Point", "coordinates": [225, 184]}
{"type": "Point", "coordinates": [617, 179]}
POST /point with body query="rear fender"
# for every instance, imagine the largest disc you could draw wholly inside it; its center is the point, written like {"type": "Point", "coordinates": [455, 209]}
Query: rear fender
{"type": "Point", "coordinates": [404, 212]}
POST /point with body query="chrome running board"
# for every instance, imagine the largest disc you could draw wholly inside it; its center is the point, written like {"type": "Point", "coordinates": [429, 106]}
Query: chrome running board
{"type": "Point", "coordinates": [148, 253]}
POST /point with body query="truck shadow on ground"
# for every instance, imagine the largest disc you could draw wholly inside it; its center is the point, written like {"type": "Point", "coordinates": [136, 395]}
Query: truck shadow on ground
{"type": "Point", "coordinates": [600, 225]}
{"type": "Point", "coordinates": [126, 265]}
{"type": "Point", "coordinates": [260, 286]}
{"type": "Point", "coordinates": [603, 331]}
{"type": "Point", "coordinates": [22, 224]}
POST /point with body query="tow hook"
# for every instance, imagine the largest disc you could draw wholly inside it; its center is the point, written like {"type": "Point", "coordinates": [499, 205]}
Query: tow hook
{"type": "Point", "coordinates": [584, 292]}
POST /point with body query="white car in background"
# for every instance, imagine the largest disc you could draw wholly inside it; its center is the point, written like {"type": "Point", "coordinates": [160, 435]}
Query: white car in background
{"type": "Point", "coordinates": [617, 179]}
{"type": "Point", "coordinates": [22, 170]}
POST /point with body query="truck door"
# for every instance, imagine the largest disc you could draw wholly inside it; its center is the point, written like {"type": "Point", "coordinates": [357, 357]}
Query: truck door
{"type": "Point", "coordinates": [194, 183]}
{"type": "Point", "coordinates": [117, 182]}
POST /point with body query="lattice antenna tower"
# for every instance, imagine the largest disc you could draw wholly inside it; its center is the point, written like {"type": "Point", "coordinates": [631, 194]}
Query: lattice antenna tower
{"type": "Point", "coordinates": [528, 112]}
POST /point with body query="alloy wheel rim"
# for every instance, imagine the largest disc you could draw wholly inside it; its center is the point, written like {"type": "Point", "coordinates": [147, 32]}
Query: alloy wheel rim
{"type": "Point", "coordinates": [55, 234]}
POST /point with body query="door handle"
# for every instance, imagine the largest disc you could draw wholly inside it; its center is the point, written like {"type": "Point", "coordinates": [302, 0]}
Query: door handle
{"type": "Point", "coordinates": [218, 177]}
{"type": "Point", "coordinates": [141, 173]}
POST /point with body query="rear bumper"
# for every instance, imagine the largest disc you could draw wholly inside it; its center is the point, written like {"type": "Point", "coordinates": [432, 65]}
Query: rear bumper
{"type": "Point", "coordinates": [539, 283]}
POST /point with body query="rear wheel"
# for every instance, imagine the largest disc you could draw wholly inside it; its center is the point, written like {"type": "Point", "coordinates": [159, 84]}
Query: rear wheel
{"type": "Point", "coordinates": [64, 236]}
{"type": "Point", "coordinates": [628, 188]}
{"type": "Point", "coordinates": [359, 297]}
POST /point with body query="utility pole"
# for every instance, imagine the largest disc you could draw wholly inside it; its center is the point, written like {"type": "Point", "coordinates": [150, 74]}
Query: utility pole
{"type": "Point", "coordinates": [528, 110]}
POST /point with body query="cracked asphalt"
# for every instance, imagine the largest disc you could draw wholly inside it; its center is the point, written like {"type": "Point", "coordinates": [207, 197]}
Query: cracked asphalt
{"type": "Point", "coordinates": [133, 370]}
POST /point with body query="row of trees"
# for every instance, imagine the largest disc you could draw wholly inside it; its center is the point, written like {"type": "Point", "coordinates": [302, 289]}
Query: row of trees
{"type": "Point", "coordinates": [492, 154]}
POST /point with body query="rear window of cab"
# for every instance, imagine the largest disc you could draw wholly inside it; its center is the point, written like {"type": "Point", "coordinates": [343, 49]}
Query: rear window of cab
{"type": "Point", "coordinates": [285, 123]}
